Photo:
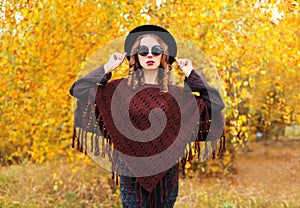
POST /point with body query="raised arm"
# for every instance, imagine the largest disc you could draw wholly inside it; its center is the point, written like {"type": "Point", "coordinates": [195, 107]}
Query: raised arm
{"type": "Point", "coordinates": [209, 93]}
{"type": "Point", "coordinates": [81, 87]}
{"type": "Point", "coordinates": [199, 84]}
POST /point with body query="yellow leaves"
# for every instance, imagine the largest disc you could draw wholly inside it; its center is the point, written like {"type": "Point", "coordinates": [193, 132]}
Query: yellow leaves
{"type": "Point", "coordinates": [57, 182]}
{"type": "Point", "coordinates": [41, 56]}
{"type": "Point", "coordinates": [263, 72]}
{"type": "Point", "coordinates": [48, 122]}
{"type": "Point", "coordinates": [188, 165]}
{"type": "Point", "coordinates": [54, 175]}
{"type": "Point", "coordinates": [243, 118]}
{"type": "Point", "coordinates": [294, 6]}
{"type": "Point", "coordinates": [298, 119]}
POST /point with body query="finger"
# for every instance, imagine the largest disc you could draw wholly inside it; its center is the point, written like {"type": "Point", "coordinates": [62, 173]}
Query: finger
{"type": "Point", "coordinates": [182, 61]}
{"type": "Point", "coordinates": [179, 63]}
{"type": "Point", "coordinates": [177, 60]}
{"type": "Point", "coordinates": [115, 57]}
{"type": "Point", "coordinates": [185, 62]}
{"type": "Point", "coordinates": [124, 55]}
{"type": "Point", "coordinates": [120, 56]}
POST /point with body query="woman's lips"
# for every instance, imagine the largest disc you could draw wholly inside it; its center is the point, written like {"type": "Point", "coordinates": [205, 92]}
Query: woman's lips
{"type": "Point", "coordinates": [150, 62]}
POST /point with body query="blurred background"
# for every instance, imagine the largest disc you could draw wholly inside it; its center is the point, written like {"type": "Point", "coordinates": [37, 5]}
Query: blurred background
{"type": "Point", "coordinates": [250, 50]}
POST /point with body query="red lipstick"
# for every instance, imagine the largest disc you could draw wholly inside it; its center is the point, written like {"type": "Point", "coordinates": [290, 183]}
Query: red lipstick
{"type": "Point", "coordinates": [150, 62]}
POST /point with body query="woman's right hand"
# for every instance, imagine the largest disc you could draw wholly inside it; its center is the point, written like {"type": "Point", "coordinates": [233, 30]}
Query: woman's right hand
{"type": "Point", "coordinates": [115, 60]}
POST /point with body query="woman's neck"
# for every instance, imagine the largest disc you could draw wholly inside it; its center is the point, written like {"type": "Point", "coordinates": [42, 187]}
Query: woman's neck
{"type": "Point", "coordinates": [151, 76]}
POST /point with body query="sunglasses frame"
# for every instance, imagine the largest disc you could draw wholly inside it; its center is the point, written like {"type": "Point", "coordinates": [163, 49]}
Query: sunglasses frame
{"type": "Point", "coordinates": [143, 53]}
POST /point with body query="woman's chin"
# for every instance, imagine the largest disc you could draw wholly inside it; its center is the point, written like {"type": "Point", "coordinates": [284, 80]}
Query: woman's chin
{"type": "Point", "coordinates": [150, 68]}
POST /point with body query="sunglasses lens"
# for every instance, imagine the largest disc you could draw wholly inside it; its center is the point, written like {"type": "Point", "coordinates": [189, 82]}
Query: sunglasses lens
{"type": "Point", "coordinates": [156, 50]}
{"type": "Point", "coordinates": [143, 50]}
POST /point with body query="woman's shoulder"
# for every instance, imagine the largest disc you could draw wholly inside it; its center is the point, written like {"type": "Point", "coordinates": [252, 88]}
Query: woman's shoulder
{"type": "Point", "coordinates": [113, 83]}
{"type": "Point", "coordinates": [175, 87]}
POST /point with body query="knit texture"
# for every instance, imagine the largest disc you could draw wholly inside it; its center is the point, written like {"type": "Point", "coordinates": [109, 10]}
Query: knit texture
{"type": "Point", "coordinates": [121, 120]}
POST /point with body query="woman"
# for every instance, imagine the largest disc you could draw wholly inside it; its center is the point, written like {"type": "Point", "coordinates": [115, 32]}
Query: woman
{"type": "Point", "coordinates": [146, 122]}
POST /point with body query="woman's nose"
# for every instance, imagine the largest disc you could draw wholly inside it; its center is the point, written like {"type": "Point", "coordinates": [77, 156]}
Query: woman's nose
{"type": "Point", "coordinates": [150, 55]}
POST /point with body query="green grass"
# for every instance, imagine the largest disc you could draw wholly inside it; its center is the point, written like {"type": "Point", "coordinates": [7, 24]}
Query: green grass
{"type": "Point", "coordinates": [223, 193]}
{"type": "Point", "coordinates": [85, 184]}
{"type": "Point", "coordinates": [56, 184]}
{"type": "Point", "coordinates": [292, 131]}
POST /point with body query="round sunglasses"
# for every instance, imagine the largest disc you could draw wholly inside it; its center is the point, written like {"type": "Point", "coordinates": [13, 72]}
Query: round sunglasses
{"type": "Point", "coordinates": [155, 50]}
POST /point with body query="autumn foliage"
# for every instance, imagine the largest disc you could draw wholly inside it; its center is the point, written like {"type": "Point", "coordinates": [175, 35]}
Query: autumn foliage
{"type": "Point", "coordinates": [254, 46]}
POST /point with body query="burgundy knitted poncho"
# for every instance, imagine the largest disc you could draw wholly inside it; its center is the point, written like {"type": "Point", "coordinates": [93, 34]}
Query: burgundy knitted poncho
{"type": "Point", "coordinates": [149, 131]}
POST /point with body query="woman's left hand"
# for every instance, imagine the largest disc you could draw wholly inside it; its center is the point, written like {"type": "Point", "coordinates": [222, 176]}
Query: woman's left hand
{"type": "Point", "coordinates": [185, 65]}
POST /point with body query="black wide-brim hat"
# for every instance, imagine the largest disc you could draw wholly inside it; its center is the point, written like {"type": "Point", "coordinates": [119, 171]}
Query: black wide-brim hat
{"type": "Point", "coordinates": [151, 29]}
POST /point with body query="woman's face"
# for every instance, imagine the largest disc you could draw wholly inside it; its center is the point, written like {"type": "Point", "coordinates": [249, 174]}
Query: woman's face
{"type": "Point", "coordinates": [152, 59]}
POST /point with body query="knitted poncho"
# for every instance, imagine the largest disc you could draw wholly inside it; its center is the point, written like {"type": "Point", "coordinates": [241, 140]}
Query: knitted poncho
{"type": "Point", "coordinates": [149, 131]}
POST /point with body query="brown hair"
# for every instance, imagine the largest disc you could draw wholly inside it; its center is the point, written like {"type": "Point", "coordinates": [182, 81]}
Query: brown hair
{"type": "Point", "coordinates": [136, 75]}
